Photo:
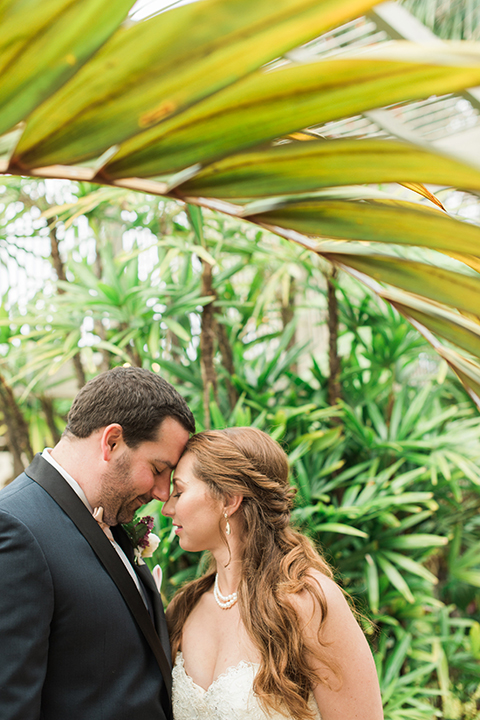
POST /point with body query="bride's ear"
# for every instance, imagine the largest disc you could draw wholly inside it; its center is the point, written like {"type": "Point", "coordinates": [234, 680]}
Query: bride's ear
{"type": "Point", "coordinates": [232, 503]}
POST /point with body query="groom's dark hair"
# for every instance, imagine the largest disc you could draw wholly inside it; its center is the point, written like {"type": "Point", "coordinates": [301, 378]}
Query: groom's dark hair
{"type": "Point", "coordinates": [137, 399]}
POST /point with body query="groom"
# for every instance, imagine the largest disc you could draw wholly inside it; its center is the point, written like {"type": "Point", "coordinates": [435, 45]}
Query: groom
{"type": "Point", "coordinates": [82, 629]}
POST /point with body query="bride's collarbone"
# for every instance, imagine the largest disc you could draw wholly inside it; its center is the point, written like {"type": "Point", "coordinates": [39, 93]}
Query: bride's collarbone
{"type": "Point", "coordinates": [212, 625]}
{"type": "Point", "coordinates": [213, 643]}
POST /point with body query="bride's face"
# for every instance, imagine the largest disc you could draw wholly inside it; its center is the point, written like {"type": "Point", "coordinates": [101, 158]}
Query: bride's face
{"type": "Point", "coordinates": [195, 513]}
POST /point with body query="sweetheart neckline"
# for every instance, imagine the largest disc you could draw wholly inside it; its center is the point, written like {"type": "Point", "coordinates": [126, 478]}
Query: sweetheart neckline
{"type": "Point", "coordinates": [179, 660]}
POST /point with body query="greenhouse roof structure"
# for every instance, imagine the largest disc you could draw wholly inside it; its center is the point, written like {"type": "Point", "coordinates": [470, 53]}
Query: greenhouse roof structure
{"type": "Point", "coordinates": [450, 123]}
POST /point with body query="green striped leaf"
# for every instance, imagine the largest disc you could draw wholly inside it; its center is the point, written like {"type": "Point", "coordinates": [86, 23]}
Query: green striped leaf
{"type": "Point", "coordinates": [395, 578]}
{"type": "Point", "coordinates": [444, 286]}
{"type": "Point", "coordinates": [340, 528]}
{"type": "Point", "coordinates": [267, 105]}
{"type": "Point", "coordinates": [306, 167]}
{"type": "Point", "coordinates": [406, 563]}
{"type": "Point", "coordinates": [176, 328]}
{"type": "Point", "coordinates": [155, 69]}
{"type": "Point", "coordinates": [43, 44]}
{"type": "Point", "coordinates": [414, 541]}
{"type": "Point", "coordinates": [444, 323]}
{"type": "Point", "coordinates": [363, 217]}
{"type": "Point", "coordinates": [373, 591]}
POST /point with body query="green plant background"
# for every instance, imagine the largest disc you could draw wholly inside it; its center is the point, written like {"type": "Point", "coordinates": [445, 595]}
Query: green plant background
{"type": "Point", "coordinates": [387, 473]}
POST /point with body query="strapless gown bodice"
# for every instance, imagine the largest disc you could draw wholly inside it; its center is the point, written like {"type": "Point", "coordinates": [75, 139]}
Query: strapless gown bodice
{"type": "Point", "coordinates": [229, 697]}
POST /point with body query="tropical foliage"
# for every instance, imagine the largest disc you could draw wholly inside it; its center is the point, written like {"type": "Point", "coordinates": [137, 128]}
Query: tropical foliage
{"type": "Point", "coordinates": [387, 476]}
{"type": "Point", "coordinates": [211, 116]}
{"type": "Point", "coordinates": [209, 112]}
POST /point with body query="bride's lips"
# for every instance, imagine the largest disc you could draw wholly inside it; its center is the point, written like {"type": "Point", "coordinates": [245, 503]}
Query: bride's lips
{"type": "Point", "coordinates": [177, 529]}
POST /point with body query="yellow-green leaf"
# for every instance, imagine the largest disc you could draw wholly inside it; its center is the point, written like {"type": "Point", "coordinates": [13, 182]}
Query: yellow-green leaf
{"type": "Point", "coordinates": [154, 69]}
{"type": "Point", "coordinates": [305, 167]}
{"type": "Point", "coordinates": [443, 286]}
{"type": "Point", "coordinates": [395, 578]}
{"type": "Point", "coordinates": [340, 528]}
{"type": "Point", "coordinates": [176, 328]}
{"type": "Point", "coordinates": [444, 323]}
{"type": "Point", "coordinates": [42, 44]}
{"type": "Point", "coordinates": [267, 105]}
{"type": "Point", "coordinates": [373, 220]}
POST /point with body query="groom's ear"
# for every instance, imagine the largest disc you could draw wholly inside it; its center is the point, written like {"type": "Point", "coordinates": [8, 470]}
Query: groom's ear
{"type": "Point", "coordinates": [110, 440]}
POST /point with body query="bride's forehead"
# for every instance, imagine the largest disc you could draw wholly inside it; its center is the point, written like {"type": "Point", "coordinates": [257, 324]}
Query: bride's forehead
{"type": "Point", "coordinates": [185, 475]}
{"type": "Point", "coordinates": [185, 465]}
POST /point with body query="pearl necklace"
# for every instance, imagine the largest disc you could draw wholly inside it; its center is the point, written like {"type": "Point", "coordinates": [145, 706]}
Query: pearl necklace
{"type": "Point", "coordinates": [223, 601]}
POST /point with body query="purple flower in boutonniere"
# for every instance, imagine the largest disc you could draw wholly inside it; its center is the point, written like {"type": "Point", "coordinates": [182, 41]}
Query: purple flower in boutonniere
{"type": "Point", "coordinates": [140, 534]}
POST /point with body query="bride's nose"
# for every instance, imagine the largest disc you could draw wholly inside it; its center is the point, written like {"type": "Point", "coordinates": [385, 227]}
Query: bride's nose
{"type": "Point", "coordinates": [167, 508]}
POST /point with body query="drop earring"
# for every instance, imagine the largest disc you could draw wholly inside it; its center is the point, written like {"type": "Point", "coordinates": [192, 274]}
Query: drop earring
{"type": "Point", "coordinates": [228, 529]}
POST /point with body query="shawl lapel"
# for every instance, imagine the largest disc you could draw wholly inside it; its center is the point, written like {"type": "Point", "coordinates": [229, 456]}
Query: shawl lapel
{"type": "Point", "coordinates": [52, 482]}
{"type": "Point", "coordinates": [148, 582]}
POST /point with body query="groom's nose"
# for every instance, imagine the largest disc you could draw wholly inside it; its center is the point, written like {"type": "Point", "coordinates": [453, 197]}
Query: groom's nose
{"type": "Point", "coordinates": [161, 486]}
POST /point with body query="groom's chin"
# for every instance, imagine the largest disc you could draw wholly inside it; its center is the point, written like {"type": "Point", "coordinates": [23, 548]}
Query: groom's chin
{"type": "Point", "coordinates": [118, 515]}
{"type": "Point", "coordinates": [126, 514]}
{"type": "Point", "coordinates": [124, 517]}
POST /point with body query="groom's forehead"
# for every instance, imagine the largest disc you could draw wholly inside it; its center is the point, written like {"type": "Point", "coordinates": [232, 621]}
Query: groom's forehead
{"type": "Point", "coordinates": [167, 445]}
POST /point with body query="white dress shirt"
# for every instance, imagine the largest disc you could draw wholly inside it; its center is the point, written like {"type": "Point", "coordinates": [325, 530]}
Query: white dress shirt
{"type": "Point", "coordinates": [78, 490]}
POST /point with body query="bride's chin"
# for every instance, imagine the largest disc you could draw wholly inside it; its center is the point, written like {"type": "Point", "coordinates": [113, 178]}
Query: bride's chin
{"type": "Point", "coordinates": [189, 546]}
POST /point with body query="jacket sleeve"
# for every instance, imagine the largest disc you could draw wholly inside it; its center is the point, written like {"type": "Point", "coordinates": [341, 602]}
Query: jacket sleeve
{"type": "Point", "coordinates": [26, 608]}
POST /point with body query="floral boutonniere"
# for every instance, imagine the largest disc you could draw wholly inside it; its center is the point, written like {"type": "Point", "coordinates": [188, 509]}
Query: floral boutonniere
{"type": "Point", "coordinates": [143, 540]}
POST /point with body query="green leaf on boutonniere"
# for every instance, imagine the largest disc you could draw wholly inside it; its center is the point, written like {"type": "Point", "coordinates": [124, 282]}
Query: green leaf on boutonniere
{"type": "Point", "coordinates": [138, 530]}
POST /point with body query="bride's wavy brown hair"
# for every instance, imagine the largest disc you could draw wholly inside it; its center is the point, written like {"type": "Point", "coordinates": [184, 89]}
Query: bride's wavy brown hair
{"type": "Point", "coordinates": [276, 563]}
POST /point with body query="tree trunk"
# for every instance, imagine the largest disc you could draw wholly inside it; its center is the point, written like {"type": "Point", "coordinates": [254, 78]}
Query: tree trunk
{"type": "Point", "coordinates": [288, 312]}
{"type": "Point", "coordinates": [207, 344]}
{"type": "Point", "coordinates": [334, 388]}
{"type": "Point", "coordinates": [227, 362]}
{"type": "Point", "coordinates": [131, 350]}
{"type": "Point", "coordinates": [47, 407]}
{"type": "Point", "coordinates": [56, 259]}
{"type": "Point", "coordinates": [134, 355]}
{"type": "Point", "coordinates": [60, 270]}
{"type": "Point", "coordinates": [98, 325]}
{"type": "Point", "coordinates": [17, 428]}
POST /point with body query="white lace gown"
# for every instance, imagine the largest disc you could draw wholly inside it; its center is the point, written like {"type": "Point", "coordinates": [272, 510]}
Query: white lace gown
{"type": "Point", "coordinates": [229, 697]}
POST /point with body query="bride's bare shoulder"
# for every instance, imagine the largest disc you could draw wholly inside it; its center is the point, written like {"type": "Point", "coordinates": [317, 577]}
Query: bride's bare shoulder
{"type": "Point", "coordinates": [321, 597]}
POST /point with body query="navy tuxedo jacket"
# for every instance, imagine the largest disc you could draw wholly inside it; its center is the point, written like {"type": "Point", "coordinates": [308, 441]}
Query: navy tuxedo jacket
{"type": "Point", "coordinates": [76, 640]}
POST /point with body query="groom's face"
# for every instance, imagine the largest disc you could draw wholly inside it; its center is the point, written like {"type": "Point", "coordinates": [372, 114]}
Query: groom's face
{"type": "Point", "coordinates": [140, 475]}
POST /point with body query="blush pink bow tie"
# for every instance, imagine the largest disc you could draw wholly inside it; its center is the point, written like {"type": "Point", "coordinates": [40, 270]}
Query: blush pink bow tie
{"type": "Point", "coordinates": [98, 515]}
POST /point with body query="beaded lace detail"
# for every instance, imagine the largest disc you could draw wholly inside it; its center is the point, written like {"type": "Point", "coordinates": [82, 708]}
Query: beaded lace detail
{"type": "Point", "coordinates": [229, 697]}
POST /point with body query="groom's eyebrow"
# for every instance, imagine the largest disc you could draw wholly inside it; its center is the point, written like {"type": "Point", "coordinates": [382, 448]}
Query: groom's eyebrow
{"type": "Point", "coordinates": [167, 463]}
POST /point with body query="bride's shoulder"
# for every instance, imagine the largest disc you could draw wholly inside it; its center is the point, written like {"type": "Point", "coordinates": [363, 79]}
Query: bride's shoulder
{"type": "Point", "coordinates": [320, 592]}
{"type": "Point", "coordinates": [321, 601]}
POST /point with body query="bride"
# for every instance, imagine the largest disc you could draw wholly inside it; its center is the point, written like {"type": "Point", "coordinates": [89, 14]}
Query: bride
{"type": "Point", "coordinates": [266, 633]}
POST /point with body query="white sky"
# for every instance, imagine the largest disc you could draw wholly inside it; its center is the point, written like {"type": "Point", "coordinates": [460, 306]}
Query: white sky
{"type": "Point", "coordinates": [143, 8]}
